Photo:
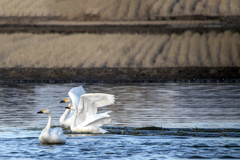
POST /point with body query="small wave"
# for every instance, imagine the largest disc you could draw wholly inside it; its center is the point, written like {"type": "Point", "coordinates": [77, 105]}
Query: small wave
{"type": "Point", "coordinates": [229, 157]}
{"type": "Point", "coordinates": [196, 157]}
{"type": "Point", "coordinates": [178, 133]}
{"type": "Point", "coordinates": [231, 145]}
{"type": "Point", "coordinates": [200, 145]}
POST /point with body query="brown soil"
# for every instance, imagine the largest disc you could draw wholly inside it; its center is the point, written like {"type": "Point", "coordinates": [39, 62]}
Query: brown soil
{"type": "Point", "coordinates": [126, 75]}
{"type": "Point", "coordinates": [164, 74]}
{"type": "Point", "coordinates": [175, 24]}
{"type": "Point", "coordinates": [144, 28]}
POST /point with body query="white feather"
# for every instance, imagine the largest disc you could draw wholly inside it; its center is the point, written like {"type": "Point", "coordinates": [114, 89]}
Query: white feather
{"type": "Point", "coordinates": [75, 93]}
{"type": "Point", "coordinates": [90, 102]}
{"type": "Point", "coordinates": [90, 124]}
{"type": "Point", "coordinates": [97, 119]}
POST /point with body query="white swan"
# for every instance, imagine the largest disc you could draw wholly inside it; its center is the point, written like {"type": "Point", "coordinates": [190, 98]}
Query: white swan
{"type": "Point", "coordinates": [73, 99]}
{"type": "Point", "coordinates": [91, 124]}
{"type": "Point", "coordinates": [74, 96]}
{"type": "Point", "coordinates": [87, 105]}
{"type": "Point", "coordinates": [49, 135]}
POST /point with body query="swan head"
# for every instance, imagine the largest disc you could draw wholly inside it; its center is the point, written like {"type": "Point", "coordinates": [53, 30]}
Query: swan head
{"type": "Point", "coordinates": [66, 100]}
{"type": "Point", "coordinates": [72, 107]}
{"type": "Point", "coordinates": [45, 111]}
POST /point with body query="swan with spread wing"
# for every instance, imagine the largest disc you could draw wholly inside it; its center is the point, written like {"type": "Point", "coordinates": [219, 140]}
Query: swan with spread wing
{"type": "Point", "coordinates": [87, 110]}
{"type": "Point", "coordinates": [86, 104]}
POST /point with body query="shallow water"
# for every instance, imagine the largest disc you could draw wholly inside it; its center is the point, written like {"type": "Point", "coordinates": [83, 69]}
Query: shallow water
{"type": "Point", "coordinates": [25, 144]}
{"type": "Point", "coordinates": [166, 105]}
{"type": "Point", "coordinates": [137, 105]}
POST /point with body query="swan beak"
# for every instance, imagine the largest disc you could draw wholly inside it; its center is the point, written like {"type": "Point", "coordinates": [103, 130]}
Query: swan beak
{"type": "Point", "coordinates": [41, 111]}
{"type": "Point", "coordinates": [68, 107]}
{"type": "Point", "coordinates": [63, 101]}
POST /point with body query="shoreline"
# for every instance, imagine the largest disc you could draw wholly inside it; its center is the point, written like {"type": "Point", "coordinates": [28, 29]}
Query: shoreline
{"type": "Point", "coordinates": [174, 24]}
{"type": "Point", "coordinates": [121, 75]}
{"type": "Point", "coordinates": [192, 132]}
{"type": "Point", "coordinates": [112, 28]}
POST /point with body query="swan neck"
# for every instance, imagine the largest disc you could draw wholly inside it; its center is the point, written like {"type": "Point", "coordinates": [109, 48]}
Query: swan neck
{"type": "Point", "coordinates": [47, 128]}
{"type": "Point", "coordinates": [64, 115]}
{"type": "Point", "coordinates": [70, 102]}
{"type": "Point", "coordinates": [74, 118]}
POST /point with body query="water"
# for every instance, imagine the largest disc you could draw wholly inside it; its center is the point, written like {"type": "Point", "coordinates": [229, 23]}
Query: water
{"type": "Point", "coordinates": [167, 105]}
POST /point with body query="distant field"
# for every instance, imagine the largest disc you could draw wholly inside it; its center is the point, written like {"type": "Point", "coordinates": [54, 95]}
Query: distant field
{"type": "Point", "coordinates": [119, 40]}
{"type": "Point", "coordinates": [120, 50]}
{"type": "Point", "coordinates": [117, 9]}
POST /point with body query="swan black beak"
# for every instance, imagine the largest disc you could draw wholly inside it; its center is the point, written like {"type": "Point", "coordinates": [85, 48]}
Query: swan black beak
{"type": "Point", "coordinates": [68, 107]}
{"type": "Point", "coordinates": [63, 101]}
{"type": "Point", "coordinates": [40, 112]}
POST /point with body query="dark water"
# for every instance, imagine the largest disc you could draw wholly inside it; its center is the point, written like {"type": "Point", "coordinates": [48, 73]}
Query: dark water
{"type": "Point", "coordinates": [167, 105]}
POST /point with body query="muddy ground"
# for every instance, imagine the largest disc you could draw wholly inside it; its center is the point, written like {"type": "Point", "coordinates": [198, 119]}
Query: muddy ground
{"type": "Point", "coordinates": [121, 75]}
{"type": "Point", "coordinates": [164, 74]}
{"type": "Point", "coordinates": [112, 28]}
{"type": "Point", "coordinates": [174, 24]}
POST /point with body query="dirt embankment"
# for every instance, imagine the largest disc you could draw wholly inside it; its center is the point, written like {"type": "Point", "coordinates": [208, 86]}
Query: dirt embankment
{"type": "Point", "coordinates": [121, 75]}
{"type": "Point", "coordinates": [105, 41]}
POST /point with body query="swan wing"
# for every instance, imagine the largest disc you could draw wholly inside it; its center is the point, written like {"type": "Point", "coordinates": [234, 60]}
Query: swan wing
{"type": "Point", "coordinates": [99, 122]}
{"type": "Point", "coordinates": [75, 93]}
{"type": "Point", "coordinates": [97, 119]}
{"type": "Point", "coordinates": [56, 136]}
{"type": "Point", "coordinates": [90, 102]}
{"type": "Point", "coordinates": [56, 131]}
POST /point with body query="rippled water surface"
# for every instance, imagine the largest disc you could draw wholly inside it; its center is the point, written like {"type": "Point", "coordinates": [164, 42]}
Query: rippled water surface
{"type": "Point", "coordinates": [166, 105]}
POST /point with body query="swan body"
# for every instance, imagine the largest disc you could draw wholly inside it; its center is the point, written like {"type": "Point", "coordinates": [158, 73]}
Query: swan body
{"type": "Point", "coordinates": [49, 135]}
{"type": "Point", "coordinates": [87, 105]}
{"type": "Point", "coordinates": [90, 124]}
